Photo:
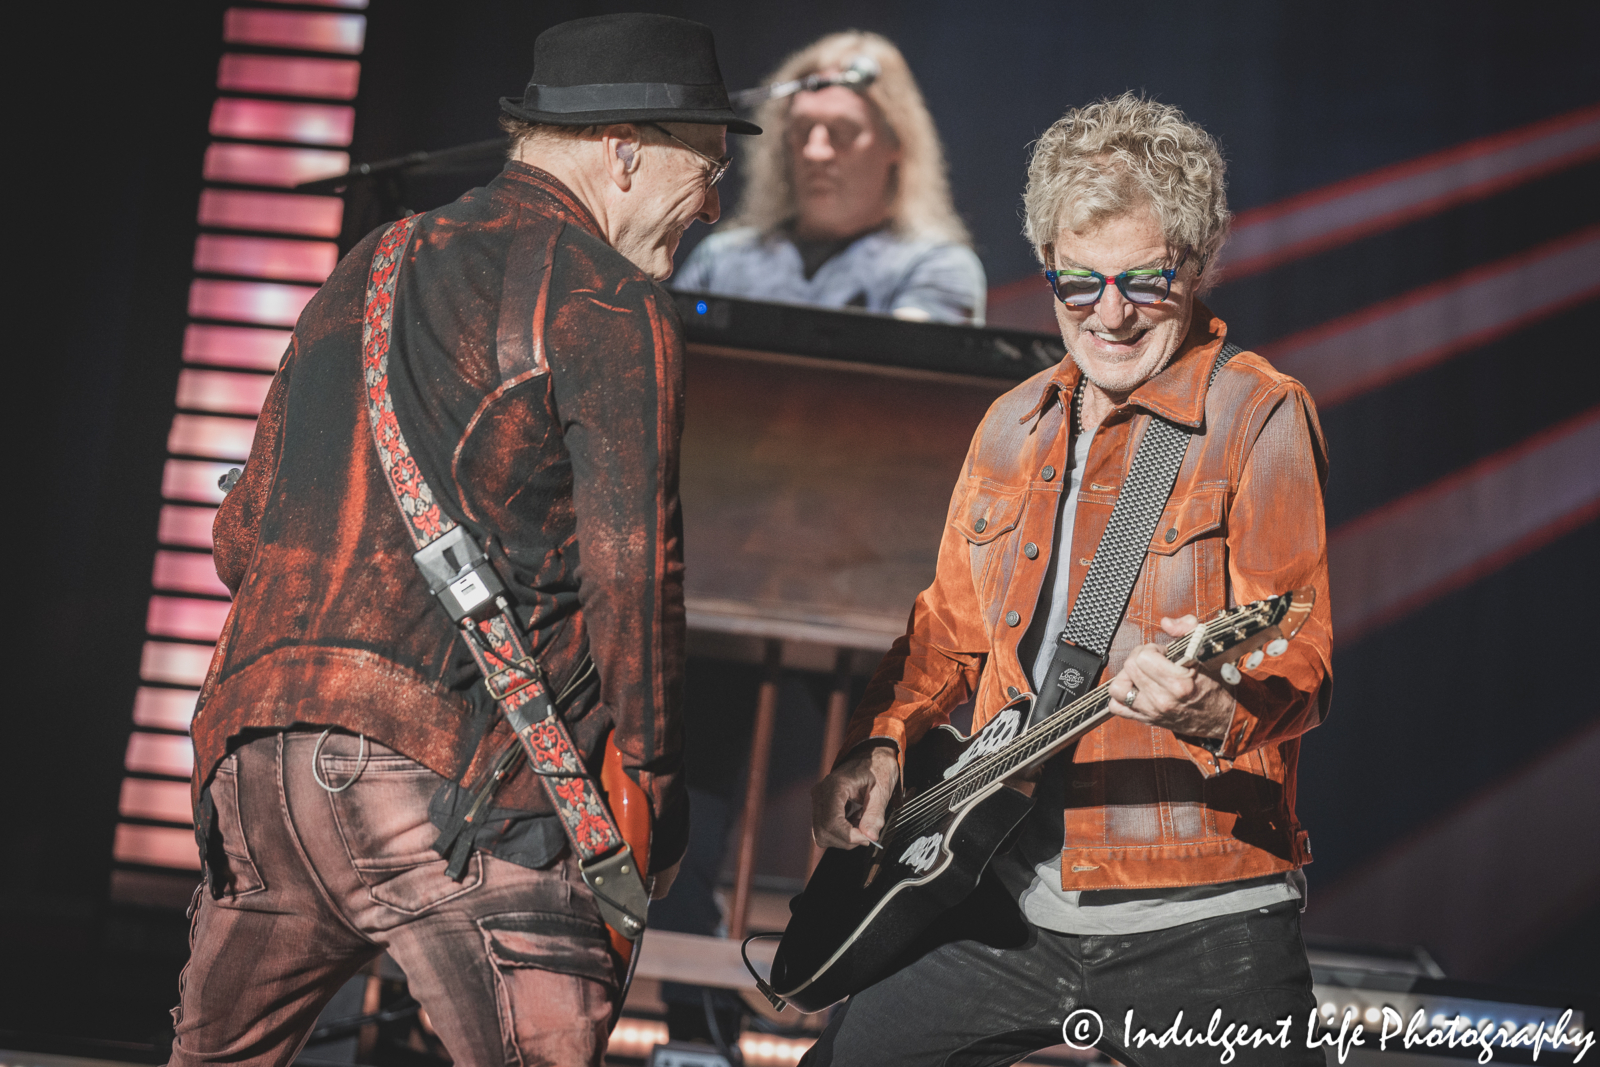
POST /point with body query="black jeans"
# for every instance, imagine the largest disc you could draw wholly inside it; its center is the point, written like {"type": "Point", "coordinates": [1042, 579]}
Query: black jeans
{"type": "Point", "coordinates": [991, 988]}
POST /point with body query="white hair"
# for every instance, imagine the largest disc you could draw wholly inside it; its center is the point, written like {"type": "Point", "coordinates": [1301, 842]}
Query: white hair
{"type": "Point", "coordinates": [1105, 159]}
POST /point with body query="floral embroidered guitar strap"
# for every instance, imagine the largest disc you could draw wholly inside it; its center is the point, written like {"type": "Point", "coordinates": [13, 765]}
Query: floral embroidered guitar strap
{"type": "Point", "coordinates": [460, 576]}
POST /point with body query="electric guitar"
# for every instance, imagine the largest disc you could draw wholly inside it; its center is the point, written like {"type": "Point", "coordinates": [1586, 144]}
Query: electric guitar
{"type": "Point", "coordinates": [864, 906]}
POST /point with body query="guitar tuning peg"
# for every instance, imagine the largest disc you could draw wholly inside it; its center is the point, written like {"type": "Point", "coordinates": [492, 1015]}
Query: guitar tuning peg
{"type": "Point", "coordinates": [1253, 660]}
{"type": "Point", "coordinates": [1230, 674]}
{"type": "Point", "coordinates": [1278, 647]}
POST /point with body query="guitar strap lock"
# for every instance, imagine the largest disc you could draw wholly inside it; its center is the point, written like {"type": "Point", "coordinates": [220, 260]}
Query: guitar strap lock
{"type": "Point", "coordinates": [619, 891]}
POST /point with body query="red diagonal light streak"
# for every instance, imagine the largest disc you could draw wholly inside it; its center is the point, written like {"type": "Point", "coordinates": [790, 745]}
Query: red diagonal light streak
{"type": "Point", "coordinates": [1398, 337]}
{"type": "Point", "coordinates": [1446, 535]}
{"type": "Point", "coordinates": [1393, 196]}
{"type": "Point", "coordinates": [1533, 823]}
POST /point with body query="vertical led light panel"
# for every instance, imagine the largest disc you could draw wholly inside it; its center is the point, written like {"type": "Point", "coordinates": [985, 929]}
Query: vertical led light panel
{"type": "Point", "coordinates": [282, 116]}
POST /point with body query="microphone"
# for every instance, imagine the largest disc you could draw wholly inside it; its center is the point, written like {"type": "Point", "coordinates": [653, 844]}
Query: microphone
{"type": "Point", "coordinates": [861, 72]}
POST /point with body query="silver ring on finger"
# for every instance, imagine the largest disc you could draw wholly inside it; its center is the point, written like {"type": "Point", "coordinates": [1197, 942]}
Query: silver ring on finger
{"type": "Point", "coordinates": [1133, 694]}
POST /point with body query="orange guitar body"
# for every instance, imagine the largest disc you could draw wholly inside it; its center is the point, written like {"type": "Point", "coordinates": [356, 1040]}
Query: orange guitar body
{"type": "Point", "coordinates": [631, 810]}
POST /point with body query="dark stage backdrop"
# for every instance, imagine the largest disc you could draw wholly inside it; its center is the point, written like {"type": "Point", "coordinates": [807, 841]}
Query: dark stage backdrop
{"type": "Point", "coordinates": [1449, 797]}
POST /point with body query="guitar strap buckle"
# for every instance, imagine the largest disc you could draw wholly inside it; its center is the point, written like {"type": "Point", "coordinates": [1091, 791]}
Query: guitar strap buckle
{"type": "Point", "coordinates": [506, 681]}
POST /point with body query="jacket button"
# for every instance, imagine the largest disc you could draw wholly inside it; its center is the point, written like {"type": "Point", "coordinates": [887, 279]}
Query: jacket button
{"type": "Point", "coordinates": [1172, 534]}
{"type": "Point", "coordinates": [980, 525]}
{"type": "Point", "coordinates": [1030, 550]}
{"type": "Point", "coordinates": [1047, 473]}
{"type": "Point", "coordinates": [1013, 692]}
{"type": "Point", "coordinates": [1012, 618]}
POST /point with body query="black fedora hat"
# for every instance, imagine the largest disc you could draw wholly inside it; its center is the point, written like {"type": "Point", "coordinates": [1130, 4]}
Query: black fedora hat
{"type": "Point", "coordinates": [626, 68]}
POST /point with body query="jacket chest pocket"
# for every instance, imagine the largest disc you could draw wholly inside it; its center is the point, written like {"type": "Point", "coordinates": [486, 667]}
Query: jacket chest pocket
{"type": "Point", "coordinates": [986, 516]}
{"type": "Point", "coordinates": [1187, 562]}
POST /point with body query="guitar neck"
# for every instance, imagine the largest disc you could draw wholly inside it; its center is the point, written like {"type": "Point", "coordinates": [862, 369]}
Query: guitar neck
{"type": "Point", "coordinates": [1040, 742]}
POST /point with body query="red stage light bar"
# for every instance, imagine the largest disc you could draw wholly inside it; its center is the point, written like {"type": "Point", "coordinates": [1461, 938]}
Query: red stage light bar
{"type": "Point", "coordinates": [1359, 352]}
{"type": "Point", "coordinates": [236, 209]}
{"type": "Point", "coordinates": [272, 120]}
{"type": "Point", "coordinates": [193, 480]}
{"type": "Point", "coordinates": [1448, 534]}
{"type": "Point", "coordinates": [186, 526]}
{"type": "Point", "coordinates": [187, 572]}
{"type": "Point", "coordinates": [156, 846]}
{"type": "Point", "coordinates": [267, 303]}
{"type": "Point", "coordinates": [174, 664]}
{"type": "Point", "coordinates": [211, 444]}
{"type": "Point", "coordinates": [265, 257]}
{"type": "Point", "coordinates": [308, 31]}
{"type": "Point", "coordinates": [166, 709]}
{"type": "Point", "coordinates": [331, 79]}
{"type": "Point", "coordinates": [148, 798]}
{"type": "Point", "coordinates": [211, 436]}
{"type": "Point", "coordinates": [187, 617]}
{"type": "Point", "coordinates": [250, 164]}
{"type": "Point", "coordinates": [234, 346]}
{"type": "Point", "coordinates": [222, 390]}
{"type": "Point", "coordinates": [160, 754]}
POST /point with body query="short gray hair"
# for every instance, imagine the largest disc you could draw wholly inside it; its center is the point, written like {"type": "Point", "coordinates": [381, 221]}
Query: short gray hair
{"type": "Point", "coordinates": [1110, 157]}
{"type": "Point", "coordinates": [521, 132]}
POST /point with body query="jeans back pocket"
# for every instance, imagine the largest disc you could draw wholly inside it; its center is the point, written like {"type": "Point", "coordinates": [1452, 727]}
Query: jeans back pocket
{"type": "Point", "coordinates": [382, 815]}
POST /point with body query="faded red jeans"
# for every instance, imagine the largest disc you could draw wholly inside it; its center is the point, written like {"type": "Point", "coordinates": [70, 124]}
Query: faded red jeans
{"type": "Point", "coordinates": [512, 965]}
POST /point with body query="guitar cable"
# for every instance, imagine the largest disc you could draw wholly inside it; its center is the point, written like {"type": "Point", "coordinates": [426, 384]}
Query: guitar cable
{"type": "Point", "coordinates": [762, 985]}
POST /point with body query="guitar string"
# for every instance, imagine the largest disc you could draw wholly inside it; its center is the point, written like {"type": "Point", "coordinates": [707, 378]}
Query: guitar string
{"type": "Point", "coordinates": [930, 807]}
{"type": "Point", "coordinates": [934, 796]}
{"type": "Point", "coordinates": [915, 818]}
{"type": "Point", "coordinates": [1047, 735]}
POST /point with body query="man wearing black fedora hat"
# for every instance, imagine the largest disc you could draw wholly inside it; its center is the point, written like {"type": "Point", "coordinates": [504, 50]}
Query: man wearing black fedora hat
{"type": "Point", "coordinates": [504, 371]}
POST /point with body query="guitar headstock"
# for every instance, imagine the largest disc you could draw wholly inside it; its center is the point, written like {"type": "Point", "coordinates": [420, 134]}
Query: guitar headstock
{"type": "Point", "coordinates": [1249, 632]}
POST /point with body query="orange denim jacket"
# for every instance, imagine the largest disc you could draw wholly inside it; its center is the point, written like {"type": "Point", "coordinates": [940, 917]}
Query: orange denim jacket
{"type": "Point", "coordinates": [1144, 807]}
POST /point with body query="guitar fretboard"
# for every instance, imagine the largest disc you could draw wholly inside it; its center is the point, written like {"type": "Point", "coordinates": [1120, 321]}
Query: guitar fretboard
{"type": "Point", "coordinates": [1043, 740]}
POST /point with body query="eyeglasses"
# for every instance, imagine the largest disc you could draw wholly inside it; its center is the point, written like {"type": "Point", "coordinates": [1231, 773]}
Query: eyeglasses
{"type": "Point", "coordinates": [1083, 288]}
{"type": "Point", "coordinates": [719, 167]}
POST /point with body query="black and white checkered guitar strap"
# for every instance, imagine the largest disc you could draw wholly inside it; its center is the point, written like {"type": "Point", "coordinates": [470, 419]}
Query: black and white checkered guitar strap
{"type": "Point", "coordinates": [1103, 598]}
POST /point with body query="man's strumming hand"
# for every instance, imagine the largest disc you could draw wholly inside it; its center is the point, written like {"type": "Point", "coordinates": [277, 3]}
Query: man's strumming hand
{"type": "Point", "coordinates": [847, 807]}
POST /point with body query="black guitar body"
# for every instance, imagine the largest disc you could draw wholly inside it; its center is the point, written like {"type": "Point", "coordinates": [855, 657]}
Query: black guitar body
{"type": "Point", "coordinates": [863, 908]}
